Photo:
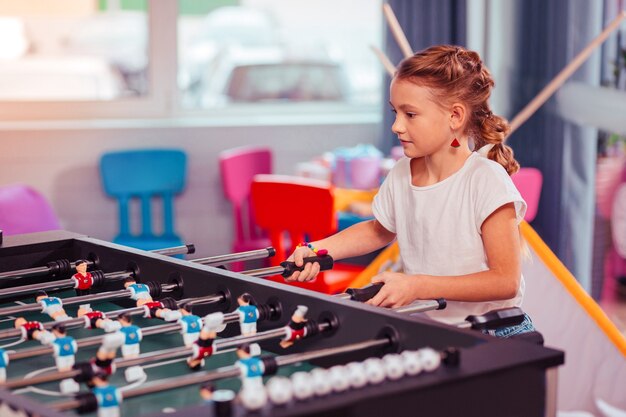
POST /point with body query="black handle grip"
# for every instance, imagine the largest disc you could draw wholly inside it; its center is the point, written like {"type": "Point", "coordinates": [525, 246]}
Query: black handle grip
{"type": "Point", "coordinates": [326, 262]}
{"type": "Point", "coordinates": [497, 318]}
{"type": "Point", "coordinates": [365, 293]}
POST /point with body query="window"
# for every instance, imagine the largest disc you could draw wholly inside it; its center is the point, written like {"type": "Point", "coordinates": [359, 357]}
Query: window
{"type": "Point", "coordinates": [73, 50]}
{"type": "Point", "coordinates": [145, 59]}
{"type": "Point", "coordinates": [280, 51]}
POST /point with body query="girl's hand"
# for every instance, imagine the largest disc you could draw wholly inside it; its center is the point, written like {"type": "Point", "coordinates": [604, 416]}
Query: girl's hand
{"type": "Point", "coordinates": [310, 270]}
{"type": "Point", "coordinates": [399, 290]}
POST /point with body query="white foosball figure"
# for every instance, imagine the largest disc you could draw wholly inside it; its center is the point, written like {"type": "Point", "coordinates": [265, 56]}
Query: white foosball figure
{"type": "Point", "coordinates": [190, 324]}
{"type": "Point", "coordinates": [4, 362]}
{"type": "Point", "coordinates": [109, 397]}
{"type": "Point", "coordinates": [52, 306]}
{"type": "Point", "coordinates": [132, 336]}
{"type": "Point", "coordinates": [251, 367]}
{"type": "Point", "coordinates": [64, 348]}
{"type": "Point", "coordinates": [248, 314]}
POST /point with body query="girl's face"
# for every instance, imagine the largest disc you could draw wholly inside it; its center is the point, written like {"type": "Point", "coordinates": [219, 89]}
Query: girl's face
{"type": "Point", "coordinates": [422, 126]}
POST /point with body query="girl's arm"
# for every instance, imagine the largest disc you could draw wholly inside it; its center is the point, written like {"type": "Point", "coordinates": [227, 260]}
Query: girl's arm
{"type": "Point", "coordinates": [501, 239]}
{"type": "Point", "coordinates": [359, 239]}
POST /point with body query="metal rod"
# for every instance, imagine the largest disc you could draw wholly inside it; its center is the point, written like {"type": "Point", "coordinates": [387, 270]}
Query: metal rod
{"type": "Point", "coordinates": [72, 323]}
{"type": "Point", "coordinates": [315, 354]}
{"type": "Point", "coordinates": [172, 353]}
{"type": "Point", "coordinates": [264, 272]}
{"type": "Point", "coordinates": [78, 321]}
{"type": "Point", "coordinates": [235, 257]}
{"type": "Point", "coordinates": [71, 300]}
{"type": "Point", "coordinates": [418, 307]}
{"type": "Point", "coordinates": [57, 285]}
{"type": "Point", "coordinates": [342, 296]}
{"type": "Point", "coordinates": [28, 272]}
{"type": "Point", "coordinates": [175, 250]}
{"type": "Point", "coordinates": [45, 270]}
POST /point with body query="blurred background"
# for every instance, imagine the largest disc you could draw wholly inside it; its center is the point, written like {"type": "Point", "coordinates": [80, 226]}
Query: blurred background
{"type": "Point", "coordinates": [80, 78]}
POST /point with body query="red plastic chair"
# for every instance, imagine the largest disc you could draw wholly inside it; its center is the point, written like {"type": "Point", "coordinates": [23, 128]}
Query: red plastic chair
{"type": "Point", "coordinates": [528, 182]}
{"type": "Point", "coordinates": [293, 208]}
{"type": "Point", "coordinates": [237, 167]}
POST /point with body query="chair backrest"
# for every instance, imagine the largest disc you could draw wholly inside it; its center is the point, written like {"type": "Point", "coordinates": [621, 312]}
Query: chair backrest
{"type": "Point", "coordinates": [301, 207]}
{"type": "Point", "coordinates": [237, 168]}
{"type": "Point", "coordinates": [144, 174]}
{"type": "Point", "coordinates": [24, 210]}
{"type": "Point", "coordinates": [529, 181]}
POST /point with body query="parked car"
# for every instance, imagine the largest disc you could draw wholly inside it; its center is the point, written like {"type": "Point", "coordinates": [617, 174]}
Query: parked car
{"type": "Point", "coordinates": [272, 74]}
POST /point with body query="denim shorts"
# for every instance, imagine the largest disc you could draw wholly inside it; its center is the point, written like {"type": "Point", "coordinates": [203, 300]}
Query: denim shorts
{"type": "Point", "coordinates": [507, 331]}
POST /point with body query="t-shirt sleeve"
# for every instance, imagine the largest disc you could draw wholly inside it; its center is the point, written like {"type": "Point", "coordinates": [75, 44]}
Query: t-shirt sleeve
{"type": "Point", "coordinates": [494, 189]}
{"type": "Point", "coordinates": [382, 207]}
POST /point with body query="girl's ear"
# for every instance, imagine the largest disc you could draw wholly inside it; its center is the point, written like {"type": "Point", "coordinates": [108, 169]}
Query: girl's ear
{"type": "Point", "coordinates": [458, 116]}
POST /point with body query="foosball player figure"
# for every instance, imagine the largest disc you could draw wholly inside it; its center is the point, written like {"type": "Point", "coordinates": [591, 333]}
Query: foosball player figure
{"type": "Point", "coordinates": [138, 292]}
{"type": "Point", "coordinates": [248, 314]}
{"type": "Point", "coordinates": [296, 328]}
{"type": "Point", "coordinates": [97, 319]}
{"type": "Point", "coordinates": [103, 362]}
{"type": "Point", "coordinates": [33, 330]}
{"type": "Point", "coordinates": [190, 324]}
{"type": "Point", "coordinates": [132, 336]}
{"type": "Point", "coordinates": [64, 348]}
{"type": "Point", "coordinates": [108, 397]}
{"type": "Point", "coordinates": [220, 399]}
{"type": "Point", "coordinates": [4, 362]}
{"type": "Point", "coordinates": [204, 346]}
{"type": "Point", "coordinates": [52, 306]}
{"type": "Point", "coordinates": [166, 309]}
{"type": "Point", "coordinates": [83, 281]}
{"type": "Point", "coordinates": [251, 367]}
{"type": "Point", "coordinates": [206, 392]}
{"type": "Point", "coordinates": [64, 351]}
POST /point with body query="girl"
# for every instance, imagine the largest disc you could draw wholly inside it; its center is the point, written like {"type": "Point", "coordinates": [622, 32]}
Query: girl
{"type": "Point", "coordinates": [454, 212]}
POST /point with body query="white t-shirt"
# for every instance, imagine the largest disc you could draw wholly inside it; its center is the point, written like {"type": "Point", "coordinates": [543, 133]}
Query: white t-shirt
{"type": "Point", "coordinates": [438, 227]}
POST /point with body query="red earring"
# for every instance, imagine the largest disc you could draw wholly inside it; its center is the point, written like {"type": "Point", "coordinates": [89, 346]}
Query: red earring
{"type": "Point", "coordinates": [455, 143]}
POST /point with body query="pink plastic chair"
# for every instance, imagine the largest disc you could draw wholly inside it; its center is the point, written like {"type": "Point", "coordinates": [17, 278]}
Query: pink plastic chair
{"type": "Point", "coordinates": [529, 181]}
{"type": "Point", "coordinates": [237, 167]}
{"type": "Point", "coordinates": [24, 210]}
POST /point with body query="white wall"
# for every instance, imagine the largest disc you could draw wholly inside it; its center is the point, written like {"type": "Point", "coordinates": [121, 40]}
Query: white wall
{"type": "Point", "coordinates": [61, 162]}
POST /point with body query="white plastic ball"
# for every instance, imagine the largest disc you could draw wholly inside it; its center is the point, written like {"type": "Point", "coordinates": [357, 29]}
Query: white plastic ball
{"type": "Point", "coordinates": [374, 370]}
{"type": "Point", "coordinates": [253, 399]}
{"type": "Point", "coordinates": [301, 385]}
{"type": "Point", "coordinates": [356, 374]}
{"type": "Point", "coordinates": [320, 379]}
{"type": "Point", "coordinates": [430, 359]}
{"type": "Point", "coordinates": [339, 378]}
{"type": "Point", "coordinates": [394, 368]}
{"type": "Point", "coordinates": [412, 362]}
{"type": "Point", "coordinates": [279, 390]}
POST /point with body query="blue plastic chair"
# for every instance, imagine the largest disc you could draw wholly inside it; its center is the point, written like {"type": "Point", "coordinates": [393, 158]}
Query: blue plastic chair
{"type": "Point", "coordinates": [145, 174]}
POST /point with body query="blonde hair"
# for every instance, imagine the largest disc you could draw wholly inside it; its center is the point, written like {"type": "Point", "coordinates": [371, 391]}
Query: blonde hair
{"type": "Point", "coordinates": [454, 73]}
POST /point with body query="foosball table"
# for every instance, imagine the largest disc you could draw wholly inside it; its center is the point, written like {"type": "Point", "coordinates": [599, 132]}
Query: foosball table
{"type": "Point", "coordinates": [69, 348]}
